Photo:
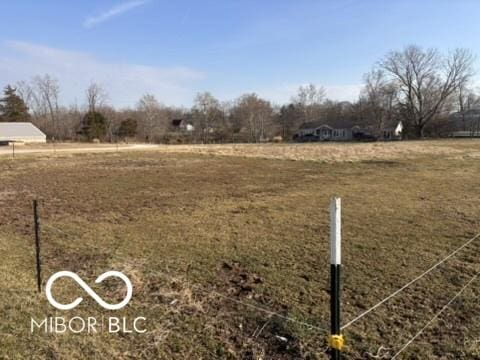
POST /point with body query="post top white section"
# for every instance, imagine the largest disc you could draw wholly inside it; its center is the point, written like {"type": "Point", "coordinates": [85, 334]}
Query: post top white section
{"type": "Point", "coordinates": [335, 231]}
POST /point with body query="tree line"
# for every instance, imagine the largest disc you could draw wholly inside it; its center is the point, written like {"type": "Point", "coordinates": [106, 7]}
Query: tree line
{"type": "Point", "coordinates": [417, 86]}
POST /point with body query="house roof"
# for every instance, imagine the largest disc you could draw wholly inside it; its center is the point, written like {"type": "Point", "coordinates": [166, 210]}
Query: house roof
{"type": "Point", "coordinates": [311, 125]}
{"type": "Point", "coordinates": [474, 113]}
{"type": "Point", "coordinates": [391, 123]}
{"type": "Point", "coordinates": [13, 130]}
{"type": "Point", "coordinates": [471, 117]}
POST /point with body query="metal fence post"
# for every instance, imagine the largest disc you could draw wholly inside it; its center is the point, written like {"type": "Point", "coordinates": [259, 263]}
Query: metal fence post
{"type": "Point", "coordinates": [336, 338]}
{"type": "Point", "coordinates": [37, 244]}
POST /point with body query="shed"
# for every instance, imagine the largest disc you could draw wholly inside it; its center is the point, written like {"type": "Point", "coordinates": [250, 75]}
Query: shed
{"type": "Point", "coordinates": [24, 132]}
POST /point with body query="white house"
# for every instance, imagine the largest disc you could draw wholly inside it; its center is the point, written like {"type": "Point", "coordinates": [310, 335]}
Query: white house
{"type": "Point", "coordinates": [23, 132]}
{"type": "Point", "coordinates": [392, 130]}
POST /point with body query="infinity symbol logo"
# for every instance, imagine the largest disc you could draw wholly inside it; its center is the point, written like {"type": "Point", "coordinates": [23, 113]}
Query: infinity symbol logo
{"type": "Point", "coordinates": [88, 289]}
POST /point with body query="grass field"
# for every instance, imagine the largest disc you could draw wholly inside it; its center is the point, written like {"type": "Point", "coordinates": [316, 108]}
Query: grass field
{"type": "Point", "coordinates": [205, 231]}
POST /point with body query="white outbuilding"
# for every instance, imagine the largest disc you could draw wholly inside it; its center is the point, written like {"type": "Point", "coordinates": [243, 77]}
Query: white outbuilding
{"type": "Point", "coordinates": [23, 132]}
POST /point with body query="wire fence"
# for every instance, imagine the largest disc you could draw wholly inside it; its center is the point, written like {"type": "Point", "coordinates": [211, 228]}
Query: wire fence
{"type": "Point", "coordinates": [429, 270]}
{"type": "Point", "coordinates": [435, 317]}
{"type": "Point", "coordinates": [364, 313]}
{"type": "Point", "coordinates": [250, 305]}
{"type": "Point", "coordinates": [383, 301]}
{"type": "Point", "coordinates": [272, 313]}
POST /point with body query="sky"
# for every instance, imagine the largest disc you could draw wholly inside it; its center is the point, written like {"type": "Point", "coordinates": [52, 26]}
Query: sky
{"type": "Point", "coordinates": [174, 49]}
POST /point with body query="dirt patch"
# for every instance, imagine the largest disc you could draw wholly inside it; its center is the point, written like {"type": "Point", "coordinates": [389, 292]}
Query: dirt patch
{"type": "Point", "coordinates": [239, 281]}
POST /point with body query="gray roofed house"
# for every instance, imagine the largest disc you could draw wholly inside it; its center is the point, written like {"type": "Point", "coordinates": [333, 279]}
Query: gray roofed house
{"type": "Point", "coordinates": [24, 132]}
{"type": "Point", "coordinates": [341, 131]}
{"type": "Point", "coordinates": [346, 130]}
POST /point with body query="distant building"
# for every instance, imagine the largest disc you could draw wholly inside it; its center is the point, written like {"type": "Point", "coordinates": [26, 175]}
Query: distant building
{"type": "Point", "coordinates": [23, 132]}
{"type": "Point", "coordinates": [465, 124]}
{"type": "Point", "coordinates": [322, 131]}
{"type": "Point", "coordinates": [347, 131]}
{"type": "Point", "coordinates": [182, 125]}
{"type": "Point", "coordinates": [391, 130]}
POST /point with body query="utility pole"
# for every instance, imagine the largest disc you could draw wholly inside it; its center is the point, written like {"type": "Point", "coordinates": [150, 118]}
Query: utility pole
{"type": "Point", "coordinates": [336, 338]}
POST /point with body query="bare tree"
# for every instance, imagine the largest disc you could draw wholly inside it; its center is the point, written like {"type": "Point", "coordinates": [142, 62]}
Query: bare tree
{"type": "Point", "coordinates": [25, 91]}
{"type": "Point", "coordinates": [149, 107]}
{"type": "Point", "coordinates": [96, 97]}
{"type": "Point", "coordinates": [309, 95]}
{"type": "Point", "coordinates": [208, 113]}
{"type": "Point", "coordinates": [46, 92]}
{"type": "Point", "coordinates": [42, 96]}
{"type": "Point", "coordinates": [256, 115]}
{"type": "Point", "coordinates": [426, 79]}
{"type": "Point", "coordinates": [309, 99]}
{"type": "Point", "coordinates": [379, 97]}
{"type": "Point", "coordinates": [289, 118]}
{"type": "Point", "coordinates": [153, 119]}
{"type": "Point", "coordinates": [71, 121]}
{"type": "Point", "coordinates": [113, 120]}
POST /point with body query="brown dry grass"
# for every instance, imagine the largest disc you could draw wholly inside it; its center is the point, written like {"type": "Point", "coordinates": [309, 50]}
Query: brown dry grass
{"type": "Point", "coordinates": [323, 152]}
{"type": "Point", "coordinates": [186, 226]}
{"type": "Point", "coordinates": [335, 152]}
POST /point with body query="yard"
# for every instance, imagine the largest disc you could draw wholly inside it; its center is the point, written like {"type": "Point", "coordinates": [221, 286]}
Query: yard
{"type": "Point", "coordinates": [211, 236]}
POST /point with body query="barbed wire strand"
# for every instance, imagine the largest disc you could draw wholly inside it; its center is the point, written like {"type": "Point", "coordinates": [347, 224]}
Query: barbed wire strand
{"type": "Point", "coordinates": [435, 317]}
{"type": "Point", "coordinates": [409, 283]}
{"type": "Point", "coordinates": [272, 313]}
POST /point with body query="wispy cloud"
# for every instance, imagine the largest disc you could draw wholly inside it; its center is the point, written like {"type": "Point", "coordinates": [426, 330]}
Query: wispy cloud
{"type": "Point", "coordinates": [124, 82]}
{"type": "Point", "coordinates": [113, 12]}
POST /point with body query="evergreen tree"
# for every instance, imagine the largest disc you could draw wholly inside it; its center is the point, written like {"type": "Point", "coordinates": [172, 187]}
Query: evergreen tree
{"type": "Point", "coordinates": [12, 106]}
{"type": "Point", "coordinates": [94, 126]}
{"type": "Point", "coordinates": [127, 128]}
{"type": "Point", "coordinates": [289, 119]}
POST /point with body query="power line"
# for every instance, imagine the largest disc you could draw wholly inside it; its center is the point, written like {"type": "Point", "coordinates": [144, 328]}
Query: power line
{"type": "Point", "coordinates": [409, 283]}
{"type": "Point", "coordinates": [435, 317]}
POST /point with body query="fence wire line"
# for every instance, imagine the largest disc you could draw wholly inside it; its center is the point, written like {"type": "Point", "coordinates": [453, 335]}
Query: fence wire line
{"type": "Point", "coordinates": [272, 313]}
{"type": "Point", "coordinates": [409, 283]}
{"type": "Point", "coordinates": [435, 317]}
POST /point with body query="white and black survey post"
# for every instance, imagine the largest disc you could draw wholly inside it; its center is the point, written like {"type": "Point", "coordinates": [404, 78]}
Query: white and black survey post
{"type": "Point", "coordinates": [336, 339]}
